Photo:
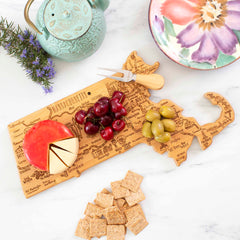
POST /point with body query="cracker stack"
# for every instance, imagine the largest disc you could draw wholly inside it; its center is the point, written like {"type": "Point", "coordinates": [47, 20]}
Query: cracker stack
{"type": "Point", "coordinates": [114, 211]}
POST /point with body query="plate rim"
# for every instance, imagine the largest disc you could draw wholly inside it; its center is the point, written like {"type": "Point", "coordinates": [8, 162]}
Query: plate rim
{"type": "Point", "coordinates": [194, 68]}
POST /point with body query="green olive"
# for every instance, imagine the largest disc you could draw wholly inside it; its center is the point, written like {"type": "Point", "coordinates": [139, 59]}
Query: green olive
{"type": "Point", "coordinates": [169, 125]}
{"type": "Point", "coordinates": [167, 112]}
{"type": "Point", "coordinates": [146, 130]}
{"type": "Point", "coordinates": [152, 115]}
{"type": "Point", "coordinates": [157, 127]}
{"type": "Point", "coordinates": [163, 138]}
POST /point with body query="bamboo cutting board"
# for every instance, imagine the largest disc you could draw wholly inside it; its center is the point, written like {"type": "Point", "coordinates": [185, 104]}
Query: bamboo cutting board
{"type": "Point", "coordinates": [93, 149]}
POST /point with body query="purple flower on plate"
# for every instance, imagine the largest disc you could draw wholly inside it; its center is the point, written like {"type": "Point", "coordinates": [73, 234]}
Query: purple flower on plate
{"type": "Point", "coordinates": [158, 24]}
{"type": "Point", "coordinates": [210, 23]}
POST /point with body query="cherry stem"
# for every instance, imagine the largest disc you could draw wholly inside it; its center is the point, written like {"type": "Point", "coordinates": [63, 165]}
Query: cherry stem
{"type": "Point", "coordinates": [121, 98]}
{"type": "Point", "coordinates": [101, 126]}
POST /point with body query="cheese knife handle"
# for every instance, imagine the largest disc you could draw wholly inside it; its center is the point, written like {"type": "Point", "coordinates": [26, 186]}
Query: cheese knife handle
{"type": "Point", "coordinates": [151, 81]}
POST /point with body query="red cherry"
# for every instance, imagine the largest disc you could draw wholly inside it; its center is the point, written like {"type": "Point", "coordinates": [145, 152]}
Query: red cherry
{"type": "Point", "coordinates": [123, 111]}
{"type": "Point", "coordinates": [90, 110]}
{"type": "Point", "coordinates": [106, 120]}
{"type": "Point", "coordinates": [90, 114]}
{"type": "Point", "coordinates": [80, 116]}
{"type": "Point", "coordinates": [116, 106]}
{"type": "Point", "coordinates": [118, 115]}
{"type": "Point", "coordinates": [100, 108]}
{"type": "Point", "coordinates": [118, 125]}
{"type": "Point", "coordinates": [91, 128]}
{"type": "Point", "coordinates": [107, 133]}
{"type": "Point", "coordinates": [104, 100]}
{"type": "Point", "coordinates": [119, 95]}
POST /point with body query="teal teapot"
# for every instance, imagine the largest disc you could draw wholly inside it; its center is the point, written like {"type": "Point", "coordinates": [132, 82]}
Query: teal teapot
{"type": "Point", "coordinates": [69, 29]}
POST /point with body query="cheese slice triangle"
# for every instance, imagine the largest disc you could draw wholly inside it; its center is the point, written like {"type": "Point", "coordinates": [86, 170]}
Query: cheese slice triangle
{"type": "Point", "coordinates": [70, 145]}
{"type": "Point", "coordinates": [67, 157]}
{"type": "Point", "coordinates": [55, 164]}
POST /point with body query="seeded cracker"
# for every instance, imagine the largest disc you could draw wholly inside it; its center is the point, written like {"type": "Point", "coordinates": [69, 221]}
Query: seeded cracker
{"type": "Point", "coordinates": [93, 210]}
{"type": "Point", "coordinates": [114, 216]}
{"type": "Point", "coordinates": [132, 181]}
{"type": "Point", "coordinates": [137, 224]}
{"type": "Point", "coordinates": [135, 197]}
{"type": "Point", "coordinates": [104, 200]}
{"type": "Point", "coordinates": [134, 211]}
{"type": "Point", "coordinates": [115, 232]}
{"type": "Point", "coordinates": [83, 229]}
{"type": "Point", "coordinates": [118, 190]}
{"type": "Point", "coordinates": [98, 227]}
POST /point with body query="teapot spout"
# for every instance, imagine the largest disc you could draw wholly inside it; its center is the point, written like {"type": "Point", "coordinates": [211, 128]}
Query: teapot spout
{"type": "Point", "coordinates": [103, 4]}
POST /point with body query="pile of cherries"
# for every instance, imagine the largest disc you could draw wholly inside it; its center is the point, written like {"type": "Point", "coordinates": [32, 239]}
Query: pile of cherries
{"type": "Point", "coordinates": [106, 116]}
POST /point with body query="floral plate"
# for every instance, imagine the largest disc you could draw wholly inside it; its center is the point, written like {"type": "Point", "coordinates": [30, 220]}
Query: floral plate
{"type": "Point", "coordinates": [200, 34]}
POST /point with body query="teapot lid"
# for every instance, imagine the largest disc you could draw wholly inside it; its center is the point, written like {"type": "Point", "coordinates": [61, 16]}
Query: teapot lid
{"type": "Point", "coordinates": [67, 19]}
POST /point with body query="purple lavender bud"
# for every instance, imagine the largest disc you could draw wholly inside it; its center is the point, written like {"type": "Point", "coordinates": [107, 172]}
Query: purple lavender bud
{"type": "Point", "coordinates": [24, 52]}
{"type": "Point", "coordinates": [39, 47]}
{"type": "Point", "coordinates": [46, 68]}
{"type": "Point", "coordinates": [21, 37]}
{"type": "Point", "coordinates": [31, 40]}
{"type": "Point", "coordinates": [36, 62]}
{"type": "Point", "coordinates": [29, 71]}
{"type": "Point", "coordinates": [39, 73]}
{"type": "Point", "coordinates": [26, 32]}
{"type": "Point", "coordinates": [50, 62]}
{"type": "Point", "coordinates": [48, 90]}
{"type": "Point", "coordinates": [8, 45]}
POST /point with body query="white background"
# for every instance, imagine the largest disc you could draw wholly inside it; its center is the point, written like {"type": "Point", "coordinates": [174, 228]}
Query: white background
{"type": "Point", "coordinates": [199, 200]}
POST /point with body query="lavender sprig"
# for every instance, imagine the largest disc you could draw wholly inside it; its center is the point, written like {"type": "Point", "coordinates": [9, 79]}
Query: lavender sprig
{"type": "Point", "coordinates": [26, 48]}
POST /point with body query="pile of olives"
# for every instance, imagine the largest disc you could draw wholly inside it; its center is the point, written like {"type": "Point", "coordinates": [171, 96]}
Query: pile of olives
{"type": "Point", "coordinates": [159, 124]}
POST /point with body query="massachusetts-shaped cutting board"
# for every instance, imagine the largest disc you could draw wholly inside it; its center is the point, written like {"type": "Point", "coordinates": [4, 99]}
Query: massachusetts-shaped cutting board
{"type": "Point", "coordinates": [93, 149]}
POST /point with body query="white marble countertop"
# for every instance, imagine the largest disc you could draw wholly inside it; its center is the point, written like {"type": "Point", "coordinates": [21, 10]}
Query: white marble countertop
{"type": "Point", "coordinates": [199, 200]}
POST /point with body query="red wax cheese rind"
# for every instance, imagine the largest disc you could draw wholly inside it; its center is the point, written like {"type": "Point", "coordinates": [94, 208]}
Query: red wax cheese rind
{"type": "Point", "coordinates": [37, 139]}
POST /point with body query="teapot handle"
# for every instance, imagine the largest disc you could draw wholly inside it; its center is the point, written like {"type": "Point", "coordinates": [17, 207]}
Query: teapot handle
{"type": "Point", "coordinates": [26, 15]}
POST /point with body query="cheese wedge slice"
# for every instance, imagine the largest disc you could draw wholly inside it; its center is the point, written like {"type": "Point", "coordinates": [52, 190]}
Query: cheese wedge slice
{"type": "Point", "coordinates": [55, 164]}
{"type": "Point", "coordinates": [66, 157]}
{"type": "Point", "coordinates": [70, 145]}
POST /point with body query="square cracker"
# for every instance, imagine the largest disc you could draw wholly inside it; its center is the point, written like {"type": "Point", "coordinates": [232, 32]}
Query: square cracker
{"type": "Point", "coordinates": [137, 224]}
{"type": "Point", "coordinates": [83, 229]}
{"type": "Point", "coordinates": [135, 197]}
{"type": "Point", "coordinates": [93, 210]}
{"type": "Point", "coordinates": [118, 190]}
{"type": "Point", "coordinates": [105, 191]}
{"type": "Point", "coordinates": [114, 216]}
{"type": "Point", "coordinates": [120, 202]}
{"type": "Point", "coordinates": [104, 200]}
{"type": "Point", "coordinates": [115, 232]}
{"type": "Point", "coordinates": [132, 181]}
{"type": "Point", "coordinates": [98, 227]}
{"type": "Point", "coordinates": [132, 212]}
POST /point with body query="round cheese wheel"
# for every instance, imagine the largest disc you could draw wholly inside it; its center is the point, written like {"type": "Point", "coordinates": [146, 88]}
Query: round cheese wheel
{"type": "Point", "coordinates": [38, 143]}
